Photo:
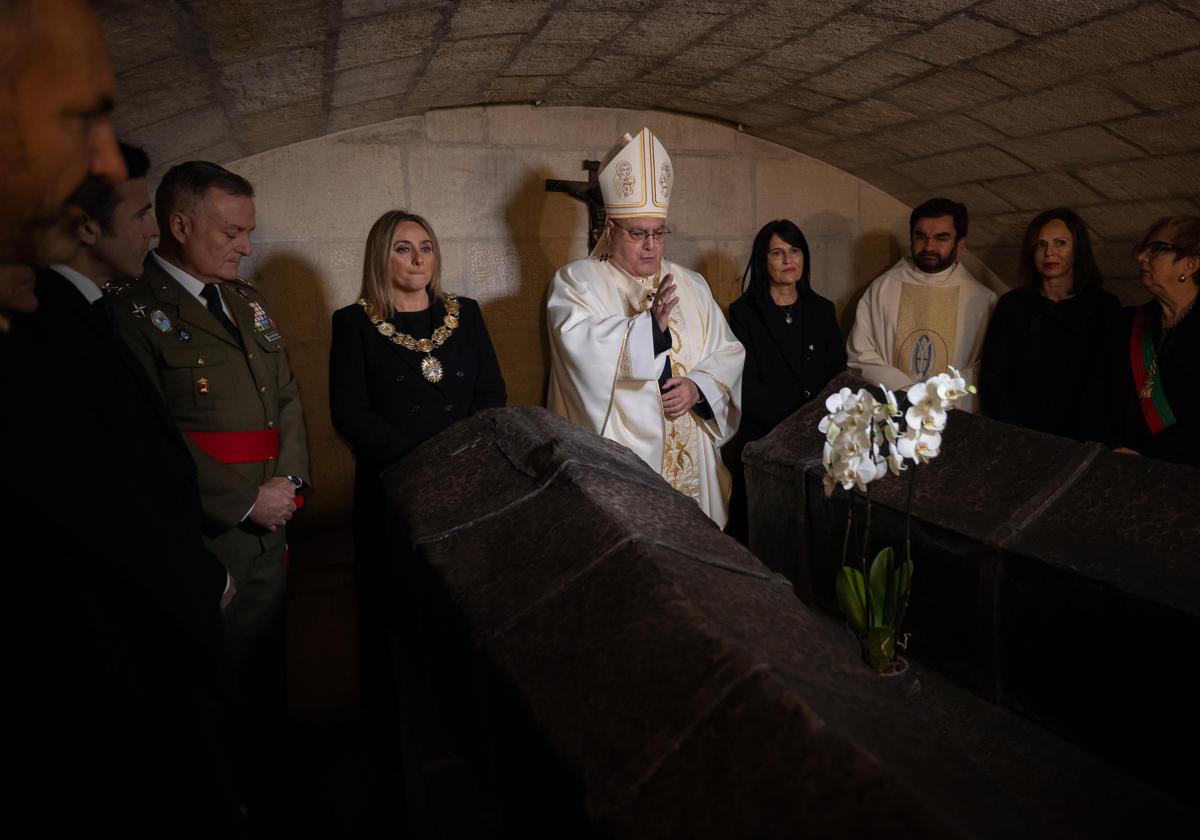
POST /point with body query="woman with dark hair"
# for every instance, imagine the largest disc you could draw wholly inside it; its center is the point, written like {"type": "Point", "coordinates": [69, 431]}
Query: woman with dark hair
{"type": "Point", "coordinates": [1149, 395]}
{"type": "Point", "coordinates": [1044, 335]}
{"type": "Point", "coordinates": [407, 360]}
{"type": "Point", "coordinates": [793, 345]}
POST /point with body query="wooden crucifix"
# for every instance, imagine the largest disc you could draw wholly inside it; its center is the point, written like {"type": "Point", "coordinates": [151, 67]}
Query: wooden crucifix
{"type": "Point", "coordinates": [589, 193]}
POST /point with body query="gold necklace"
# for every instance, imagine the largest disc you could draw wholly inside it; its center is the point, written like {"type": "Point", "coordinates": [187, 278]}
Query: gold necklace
{"type": "Point", "coordinates": [1147, 391]}
{"type": "Point", "coordinates": [431, 368]}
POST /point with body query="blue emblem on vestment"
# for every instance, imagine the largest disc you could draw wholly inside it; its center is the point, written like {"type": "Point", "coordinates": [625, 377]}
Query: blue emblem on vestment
{"type": "Point", "coordinates": [922, 357]}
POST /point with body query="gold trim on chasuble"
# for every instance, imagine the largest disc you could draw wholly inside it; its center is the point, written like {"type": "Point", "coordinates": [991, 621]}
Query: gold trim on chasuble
{"type": "Point", "coordinates": [681, 445]}
{"type": "Point", "coordinates": [680, 439]}
{"type": "Point", "coordinates": [926, 326]}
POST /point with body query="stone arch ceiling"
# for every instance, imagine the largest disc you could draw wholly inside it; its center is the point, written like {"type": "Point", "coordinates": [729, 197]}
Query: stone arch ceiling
{"type": "Point", "coordinates": [1011, 106]}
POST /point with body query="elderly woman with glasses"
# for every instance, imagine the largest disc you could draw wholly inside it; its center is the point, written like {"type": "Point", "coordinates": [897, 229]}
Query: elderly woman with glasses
{"type": "Point", "coordinates": [792, 340]}
{"type": "Point", "coordinates": [1046, 333]}
{"type": "Point", "coordinates": [1151, 402]}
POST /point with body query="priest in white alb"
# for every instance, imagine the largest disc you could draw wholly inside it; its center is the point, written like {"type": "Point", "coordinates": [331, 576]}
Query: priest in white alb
{"type": "Point", "coordinates": [639, 351]}
{"type": "Point", "coordinates": [923, 314]}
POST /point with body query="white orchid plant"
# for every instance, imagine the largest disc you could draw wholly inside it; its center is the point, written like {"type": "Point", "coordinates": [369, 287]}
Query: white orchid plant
{"type": "Point", "coordinates": [863, 443]}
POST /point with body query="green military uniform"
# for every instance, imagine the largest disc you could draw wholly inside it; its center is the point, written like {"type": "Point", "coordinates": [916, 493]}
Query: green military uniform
{"type": "Point", "coordinates": [213, 383]}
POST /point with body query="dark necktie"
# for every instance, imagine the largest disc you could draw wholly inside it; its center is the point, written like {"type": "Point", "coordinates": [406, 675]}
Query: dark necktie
{"type": "Point", "coordinates": [212, 297]}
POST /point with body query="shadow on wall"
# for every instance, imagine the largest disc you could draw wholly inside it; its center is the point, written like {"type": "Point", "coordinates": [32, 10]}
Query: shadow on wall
{"type": "Point", "coordinates": [724, 278]}
{"type": "Point", "coordinates": [519, 317]}
{"type": "Point", "coordinates": [299, 298]}
{"type": "Point", "coordinates": [874, 253]}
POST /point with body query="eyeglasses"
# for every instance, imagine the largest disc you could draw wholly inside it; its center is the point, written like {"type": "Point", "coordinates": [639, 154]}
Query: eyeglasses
{"type": "Point", "coordinates": [1154, 248]}
{"type": "Point", "coordinates": [640, 235]}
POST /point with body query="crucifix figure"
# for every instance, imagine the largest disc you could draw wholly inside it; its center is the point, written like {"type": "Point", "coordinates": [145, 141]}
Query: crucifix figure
{"type": "Point", "coordinates": [589, 193]}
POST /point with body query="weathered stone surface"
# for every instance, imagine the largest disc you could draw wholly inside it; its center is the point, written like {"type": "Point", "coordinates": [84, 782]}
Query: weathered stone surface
{"type": "Point", "coordinates": [927, 137]}
{"type": "Point", "coordinates": [177, 137]}
{"type": "Point", "coordinates": [138, 35]}
{"type": "Point", "coordinates": [998, 229]}
{"type": "Point", "coordinates": [955, 40]}
{"type": "Point", "coordinates": [1128, 220]}
{"type": "Point", "coordinates": [1073, 147]}
{"type": "Point", "coordinates": [1053, 108]}
{"type": "Point", "coordinates": [1160, 84]}
{"type": "Point", "coordinates": [860, 118]}
{"type": "Point", "coordinates": [1176, 130]}
{"type": "Point", "coordinates": [946, 90]}
{"type": "Point", "coordinates": [1109, 42]}
{"type": "Point", "coordinates": [386, 37]}
{"type": "Point", "coordinates": [926, 12]}
{"type": "Point", "coordinates": [1037, 192]}
{"type": "Point", "coordinates": [374, 81]}
{"type": "Point", "coordinates": [477, 18]}
{"type": "Point", "coordinates": [1039, 16]}
{"type": "Point", "coordinates": [240, 29]}
{"type": "Point", "coordinates": [273, 81]}
{"type": "Point", "coordinates": [265, 129]}
{"type": "Point", "coordinates": [966, 165]}
{"type": "Point", "coordinates": [859, 76]}
{"type": "Point", "coordinates": [669, 685]}
{"type": "Point", "coordinates": [1146, 178]}
{"type": "Point", "coordinates": [160, 89]}
{"type": "Point", "coordinates": [543, 59]}
{"type": "Point", "coordinates": [582, 27]}
{"type": "Point", "coordinates": [860, 151]}
{"type": "Point", "coordinates": [846, 35]}
{"type": "Point", "coordinates": [980, 201]}
{"type": "Point", "coordinates": [1017, 573]}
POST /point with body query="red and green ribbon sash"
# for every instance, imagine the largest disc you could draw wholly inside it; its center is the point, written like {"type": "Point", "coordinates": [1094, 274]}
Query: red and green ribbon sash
{"type": "Point", "coordinates": [1142, 353]}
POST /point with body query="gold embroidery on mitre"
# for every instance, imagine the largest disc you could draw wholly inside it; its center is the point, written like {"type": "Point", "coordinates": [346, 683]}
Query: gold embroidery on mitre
{"type": "Point", "coordinates": [623, 179]}
{"type": "Point", "coordinates": [926, 326]}
{"type": "Point", "coordinates": [664, 181]}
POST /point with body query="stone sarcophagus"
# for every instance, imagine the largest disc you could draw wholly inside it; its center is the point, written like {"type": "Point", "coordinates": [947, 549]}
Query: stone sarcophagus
{"type": "Point", "coordinates": [599, 660]}
{"type": "Point", "coordinates": [1056, 578]}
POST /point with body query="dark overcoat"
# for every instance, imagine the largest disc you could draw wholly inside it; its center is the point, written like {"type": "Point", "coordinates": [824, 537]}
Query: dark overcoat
{"type": "Point", "coordinates": [119, 689]}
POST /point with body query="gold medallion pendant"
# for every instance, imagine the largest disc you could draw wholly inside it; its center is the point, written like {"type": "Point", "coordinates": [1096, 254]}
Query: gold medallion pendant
{"type": "Point", "coordinates": [431, 368]}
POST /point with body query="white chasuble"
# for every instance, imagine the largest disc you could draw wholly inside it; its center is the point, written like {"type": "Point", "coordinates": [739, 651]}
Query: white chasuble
{"type": "Point", "coordinates": [910, 325]}
{"type": "Point", "coordinates": [604, 372]}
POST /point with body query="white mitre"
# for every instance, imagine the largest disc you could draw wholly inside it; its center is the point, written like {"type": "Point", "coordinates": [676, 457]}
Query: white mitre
{"type": "Point", "coordinates": [636, 182]}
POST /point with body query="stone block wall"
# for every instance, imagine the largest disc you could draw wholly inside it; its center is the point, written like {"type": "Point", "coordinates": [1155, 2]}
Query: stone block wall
{"type": "Point", "coordinates": [478, 174]}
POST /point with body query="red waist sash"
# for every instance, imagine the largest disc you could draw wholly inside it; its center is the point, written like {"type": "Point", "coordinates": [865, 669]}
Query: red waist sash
{"type": "Point", "coordinates": [238, 447]}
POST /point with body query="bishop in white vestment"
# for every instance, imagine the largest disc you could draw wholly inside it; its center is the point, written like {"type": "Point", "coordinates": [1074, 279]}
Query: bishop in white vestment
{"type": "Point", "coordinates": [639, 351]}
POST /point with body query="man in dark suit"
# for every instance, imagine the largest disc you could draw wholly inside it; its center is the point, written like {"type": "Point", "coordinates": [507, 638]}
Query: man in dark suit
{"type": "Point", "coordinates": [121, 693]}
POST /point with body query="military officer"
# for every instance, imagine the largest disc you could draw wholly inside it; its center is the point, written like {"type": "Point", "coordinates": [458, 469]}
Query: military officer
{"type": "Point", "coordinates": [209, 342]}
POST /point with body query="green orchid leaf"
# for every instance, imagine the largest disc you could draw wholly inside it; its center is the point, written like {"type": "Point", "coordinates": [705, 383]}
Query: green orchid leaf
{"type": "Point", "coordinates": [880, 647]}
{"type": "Point", "coordinates": [881, 570]}
{"type": "Point", "coordinates": [851, 598]}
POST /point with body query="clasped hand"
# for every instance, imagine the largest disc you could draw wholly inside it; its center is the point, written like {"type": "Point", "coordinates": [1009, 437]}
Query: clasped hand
{"type": "Point", "coordinates": [275, 504]}
{"type": "Point", "coordinates": [679, 394]}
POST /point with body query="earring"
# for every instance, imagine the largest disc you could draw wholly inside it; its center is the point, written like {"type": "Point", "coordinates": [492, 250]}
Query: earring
{"type": "Point", "coordinates": [1182, 278]}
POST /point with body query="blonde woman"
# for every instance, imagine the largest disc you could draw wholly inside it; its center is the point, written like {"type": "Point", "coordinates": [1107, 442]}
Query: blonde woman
{"type": "Point", "coordinates": [407, 361]}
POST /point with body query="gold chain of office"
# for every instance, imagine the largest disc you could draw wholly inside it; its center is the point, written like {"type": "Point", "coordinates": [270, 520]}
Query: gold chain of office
{"type": "Point", "coordinates": [431, 368]}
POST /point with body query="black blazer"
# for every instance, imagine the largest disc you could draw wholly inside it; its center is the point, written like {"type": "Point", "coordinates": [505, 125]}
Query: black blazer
{"type": "Point", "coordinates": [776, 381]}
{"type": "Point", "coordinates": [115, 625]}
{"type": "Point", "coordinates": [382, 404]}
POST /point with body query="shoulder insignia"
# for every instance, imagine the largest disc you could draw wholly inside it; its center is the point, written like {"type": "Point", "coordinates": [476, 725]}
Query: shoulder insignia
{"type": "Point", "coordinates": [116, 288]}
